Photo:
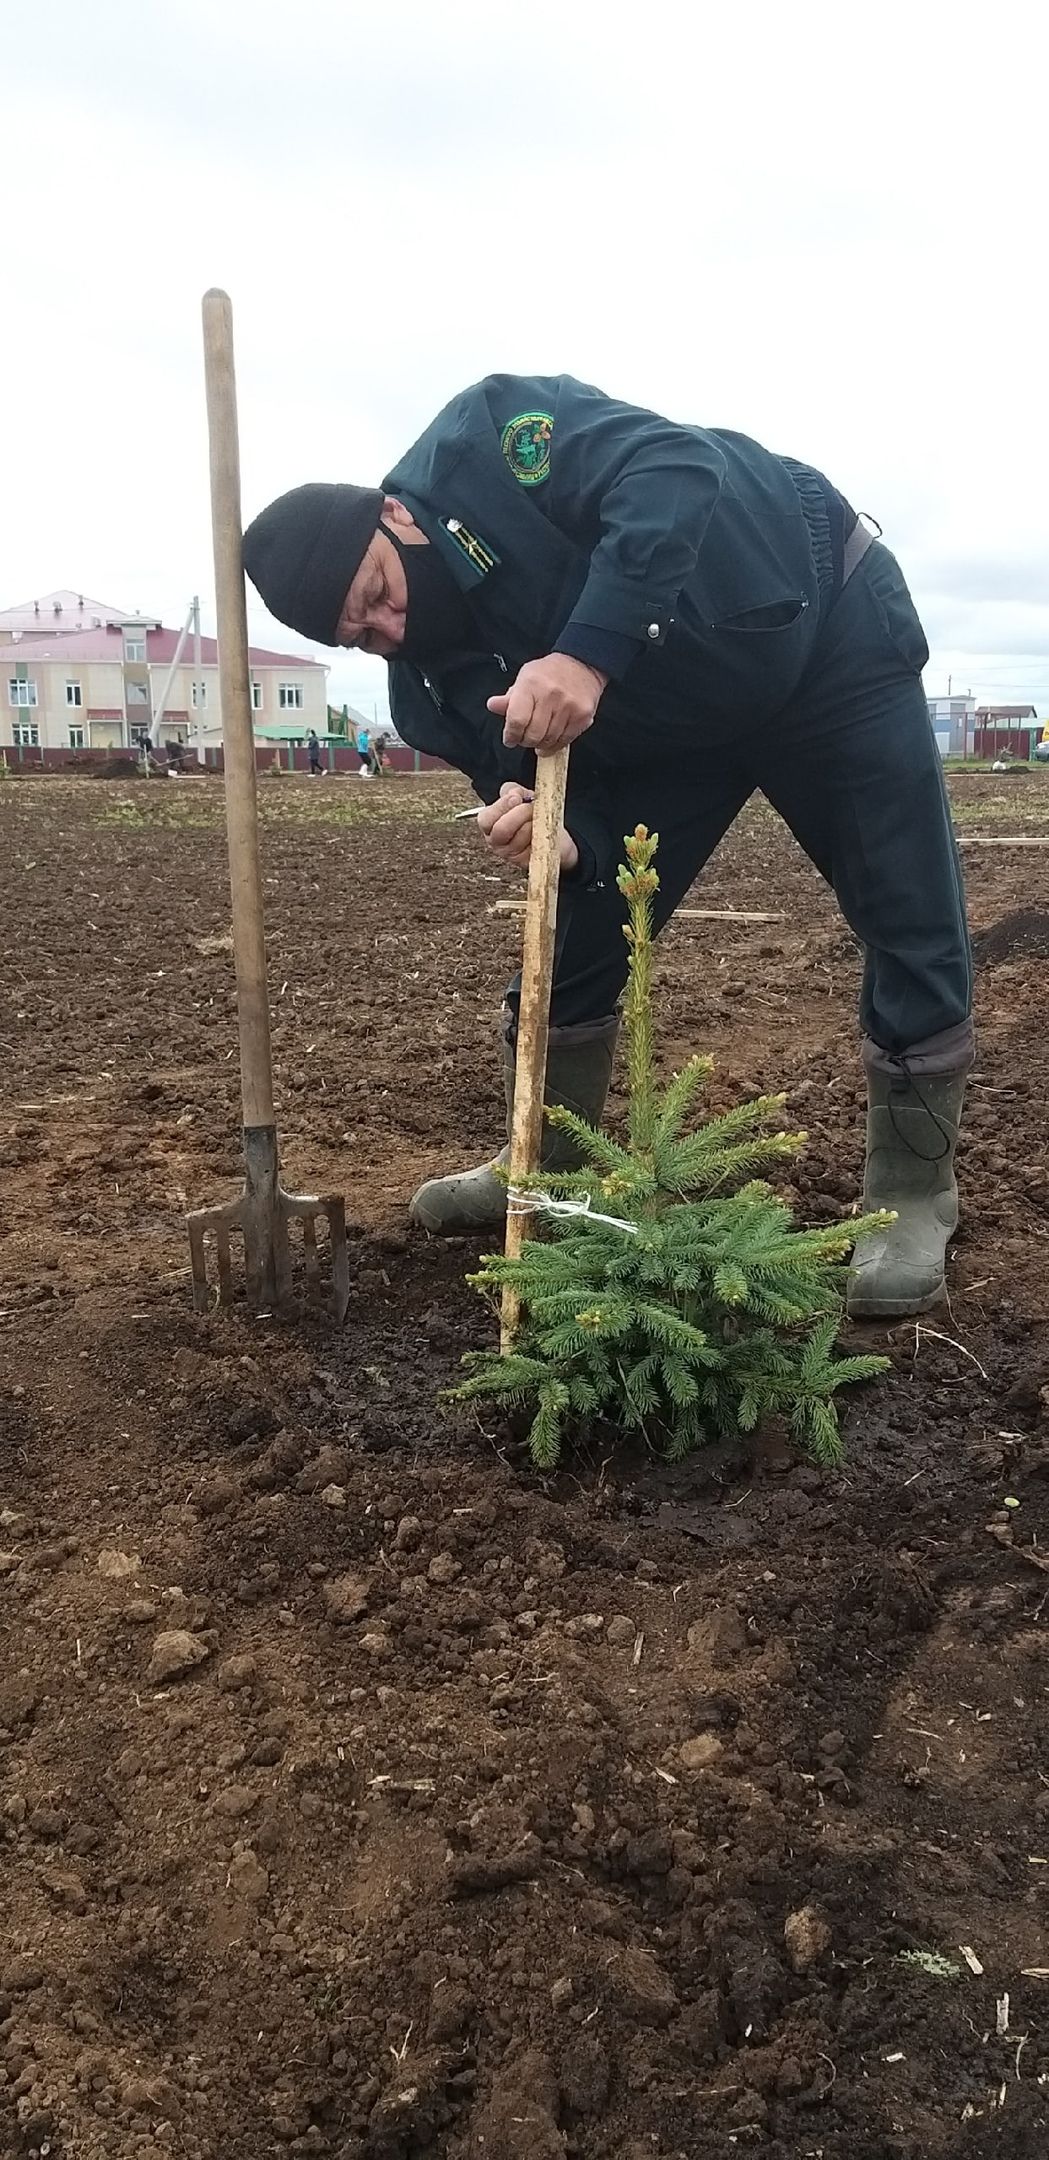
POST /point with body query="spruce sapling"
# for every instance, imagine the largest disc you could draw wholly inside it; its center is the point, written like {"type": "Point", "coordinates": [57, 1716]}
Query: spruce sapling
{"type": "Point", "coordinates": [676, 1298]}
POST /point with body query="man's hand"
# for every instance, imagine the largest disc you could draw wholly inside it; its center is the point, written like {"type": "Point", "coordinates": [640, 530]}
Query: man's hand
{"type": "Point", "coordinates": [507, 829]}
{"type": "Point", "coordinates": [552, 701]}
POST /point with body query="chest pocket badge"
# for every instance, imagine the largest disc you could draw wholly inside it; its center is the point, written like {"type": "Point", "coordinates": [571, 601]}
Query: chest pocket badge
{"type": "Point", "coordinates": [526, 445]}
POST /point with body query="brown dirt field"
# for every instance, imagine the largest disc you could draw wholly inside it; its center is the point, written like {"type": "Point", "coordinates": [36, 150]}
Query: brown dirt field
{"type": "Point", "coordinates": [410, 1862]}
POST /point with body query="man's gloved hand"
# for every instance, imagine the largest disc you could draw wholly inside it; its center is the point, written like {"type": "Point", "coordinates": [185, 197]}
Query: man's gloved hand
{"type": "Point", "coordinates": [551, 702]}
{"type": "Point", "coordinates": [507, 829]}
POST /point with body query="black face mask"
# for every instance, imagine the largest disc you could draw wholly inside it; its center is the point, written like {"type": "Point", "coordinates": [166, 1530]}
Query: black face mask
{"type": "Point", "coordinates": [437, 619]}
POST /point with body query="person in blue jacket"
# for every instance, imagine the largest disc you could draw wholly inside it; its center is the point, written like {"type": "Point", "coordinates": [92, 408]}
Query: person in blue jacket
{"type": "Point", "coordinates": [700, 618]}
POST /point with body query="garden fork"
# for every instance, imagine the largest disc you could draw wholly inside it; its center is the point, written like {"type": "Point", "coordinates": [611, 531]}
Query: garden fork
{"type": "Point", "coordinates": [263, 1211]}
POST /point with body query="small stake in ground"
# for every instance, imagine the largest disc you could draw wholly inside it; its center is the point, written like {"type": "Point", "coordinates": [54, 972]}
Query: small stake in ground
{"type": "Point", "coordinates": [263, 1211]}
{"type": "Point", "coordinates": [533, 1026]}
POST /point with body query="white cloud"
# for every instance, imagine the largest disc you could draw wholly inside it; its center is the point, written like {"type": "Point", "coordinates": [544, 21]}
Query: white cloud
{"type": "Point", "coordinates": [822, 225]}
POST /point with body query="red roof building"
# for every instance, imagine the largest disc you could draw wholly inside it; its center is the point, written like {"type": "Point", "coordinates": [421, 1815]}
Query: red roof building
{"type": "Point", "coordinates": [81, 675]}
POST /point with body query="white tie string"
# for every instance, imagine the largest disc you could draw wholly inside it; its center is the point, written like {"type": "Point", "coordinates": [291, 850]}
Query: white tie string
{"type": "Point", "coordinates": [526, 1202]}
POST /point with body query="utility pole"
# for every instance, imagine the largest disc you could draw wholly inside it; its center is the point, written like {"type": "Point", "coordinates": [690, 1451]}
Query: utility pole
{"type": "Point", "coordinates": [195, 609]}
{"type": "Point", "coordinates": [161, 708]}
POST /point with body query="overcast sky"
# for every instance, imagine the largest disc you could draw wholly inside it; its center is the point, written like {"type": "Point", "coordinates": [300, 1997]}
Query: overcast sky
{"type": "Point", "coordinates": [822, 224]}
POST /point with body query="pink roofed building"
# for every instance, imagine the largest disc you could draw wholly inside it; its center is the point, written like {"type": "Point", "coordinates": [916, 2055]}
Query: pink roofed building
{"type": "Point", "coordinates": [78, 674]}
{"type": "Point", "coordinates": [58, 614]}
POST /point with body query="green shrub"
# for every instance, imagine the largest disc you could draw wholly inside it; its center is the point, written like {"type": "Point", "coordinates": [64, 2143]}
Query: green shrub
{"type": "Point", "coordinates": [673, 1296]}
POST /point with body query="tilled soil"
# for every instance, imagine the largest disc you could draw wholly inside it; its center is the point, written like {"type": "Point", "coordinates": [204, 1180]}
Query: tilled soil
{"type": "Point", "coordinates": [362, 1794]}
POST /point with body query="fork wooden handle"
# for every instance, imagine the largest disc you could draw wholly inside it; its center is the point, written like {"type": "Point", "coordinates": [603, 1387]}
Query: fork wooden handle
{"type": "Point", "coordinates": [238, 735]}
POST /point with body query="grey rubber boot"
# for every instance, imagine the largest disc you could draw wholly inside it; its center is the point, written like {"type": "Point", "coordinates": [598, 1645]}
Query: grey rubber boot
{"type": "Point", "coordinates": [578, 1072]}
{"type": "Point", "coordinates": [912, 1132]}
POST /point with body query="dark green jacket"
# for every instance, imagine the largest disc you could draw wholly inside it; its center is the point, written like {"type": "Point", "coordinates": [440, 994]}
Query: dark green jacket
{"type": "Point", "coordinates": [689, 565]}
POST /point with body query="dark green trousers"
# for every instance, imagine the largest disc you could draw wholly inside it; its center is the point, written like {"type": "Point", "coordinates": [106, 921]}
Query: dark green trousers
{"type": "Point", "coordinates": [851, 764]}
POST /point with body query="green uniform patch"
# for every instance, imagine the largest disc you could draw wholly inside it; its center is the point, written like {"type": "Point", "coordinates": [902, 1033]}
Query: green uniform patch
{"type": "Point", "coordinates": [526, 446]}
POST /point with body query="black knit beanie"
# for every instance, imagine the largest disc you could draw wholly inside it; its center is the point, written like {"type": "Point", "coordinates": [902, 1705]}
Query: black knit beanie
{"type": "Point", "coordinates": [303, 552]}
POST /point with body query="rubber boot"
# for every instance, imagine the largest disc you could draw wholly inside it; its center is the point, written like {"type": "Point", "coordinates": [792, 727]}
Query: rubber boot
{"type": "Point", "coordinates": [578, 1072]}
{"type": "Point", "coordinates": [912, 1132]}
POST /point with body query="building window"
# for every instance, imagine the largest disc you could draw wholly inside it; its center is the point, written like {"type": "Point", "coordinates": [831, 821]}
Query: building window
{"type": "Point", "coordinates": [21, 692]}
{"type": "Point", "coordinates": [73, 694]}
{"type": "Point", "coordinates": [198, 693]}
{"type": "Point", "coordinates": [291, 697]}
{"type": "Point", "coordinates": [138, 693]}
{"type": "Point", "coordinates": [134, 648]}
{"type": "Point", "coordinates": [76, 738]}
{"type": "Point", "coordinates": [256, 697]}
{"type": "Point", "coordinates": [26, 734]}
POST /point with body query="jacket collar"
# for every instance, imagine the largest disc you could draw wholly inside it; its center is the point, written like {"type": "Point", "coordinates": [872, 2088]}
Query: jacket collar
{"type": "Point", "coordinates": [458, 487]}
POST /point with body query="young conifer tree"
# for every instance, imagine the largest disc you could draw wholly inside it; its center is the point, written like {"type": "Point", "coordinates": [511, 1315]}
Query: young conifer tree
{"type": "Point", "coordinates": [674, 1296]}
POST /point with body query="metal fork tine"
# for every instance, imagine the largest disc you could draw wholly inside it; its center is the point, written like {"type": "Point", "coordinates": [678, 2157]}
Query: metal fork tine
{"type": "Point", "coordinates": [340, 1259]}
{"type": "Point", "coordinates": [281, 1254]}
{"type": "Point", "coordinates": [198, 1265]}
{"type": "Point", "coordinates": [222, 1245]}
{"type": "Point", "coordinates": [309, 1253]}
{"type": "Point", "coordinates": [268, 1269]}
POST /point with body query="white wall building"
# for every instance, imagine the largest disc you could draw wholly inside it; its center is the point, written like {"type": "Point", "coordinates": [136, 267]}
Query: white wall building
{"type": "Point", "coordinates": [953, 720]}
{"type": "Point", "coordinates": [79, 675]}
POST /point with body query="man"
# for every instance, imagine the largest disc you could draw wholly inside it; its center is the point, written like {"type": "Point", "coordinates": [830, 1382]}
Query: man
{"type": "Point", "coordinates": [313, 750]}
{"type": "Point", "coordinates": [700, 618]}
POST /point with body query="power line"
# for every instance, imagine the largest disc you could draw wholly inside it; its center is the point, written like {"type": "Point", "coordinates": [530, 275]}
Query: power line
{"type": "Point", "coordinates": [1021, 670]}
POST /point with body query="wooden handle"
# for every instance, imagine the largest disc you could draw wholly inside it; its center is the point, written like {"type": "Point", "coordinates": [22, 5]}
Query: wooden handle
{"type": "Point", "coordinates": [533, 1027]}
{"type": "Point", "coordinates": [238, 737]}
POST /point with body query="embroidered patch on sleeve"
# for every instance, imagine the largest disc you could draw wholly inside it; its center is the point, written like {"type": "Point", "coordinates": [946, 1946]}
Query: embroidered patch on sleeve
{"type": "Point", "coordinates": [526, 447]}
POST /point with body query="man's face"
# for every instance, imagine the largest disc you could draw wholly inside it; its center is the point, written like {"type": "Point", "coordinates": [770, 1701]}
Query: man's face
{"type": "Point", "coordinates": [376, 605]}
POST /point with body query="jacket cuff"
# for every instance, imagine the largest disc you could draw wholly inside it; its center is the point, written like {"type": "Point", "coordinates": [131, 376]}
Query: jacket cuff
{"type": "Point", "coordinates": [585, 872]}
{"type": "Point", "coordinates": [592, 838]}
{"type": "Point", "coordinates": [609, 650]}
{"type": "Point", "coordinates": [620, 605]}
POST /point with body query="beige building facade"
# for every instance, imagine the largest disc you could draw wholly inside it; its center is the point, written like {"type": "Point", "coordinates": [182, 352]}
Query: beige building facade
{"type": "Point", "coordinates": [78, 675]}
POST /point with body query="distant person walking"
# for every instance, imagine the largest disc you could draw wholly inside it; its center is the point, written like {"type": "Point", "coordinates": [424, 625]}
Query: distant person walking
{"type": "Point", "coordinates": [363, 752]}
{"type": "Point", "coordinates": [314, 749]}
